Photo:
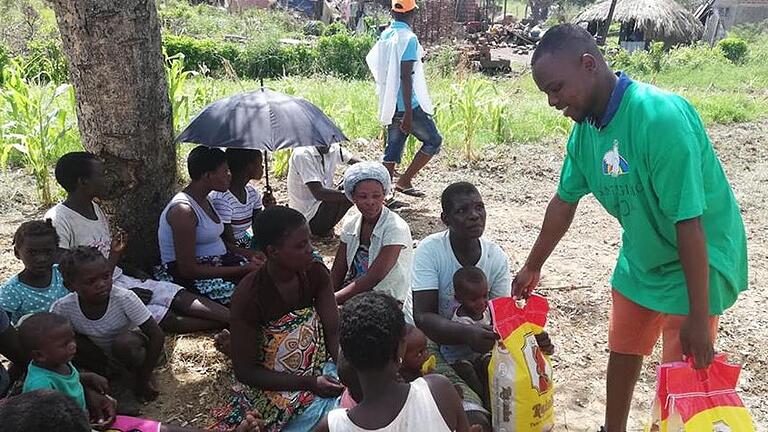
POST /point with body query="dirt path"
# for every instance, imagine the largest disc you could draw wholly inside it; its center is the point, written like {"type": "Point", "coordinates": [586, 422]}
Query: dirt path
{"type": "Point", "coordinates": [517, 184]}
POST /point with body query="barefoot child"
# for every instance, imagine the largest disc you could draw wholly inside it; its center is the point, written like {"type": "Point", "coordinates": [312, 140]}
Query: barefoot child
{"type": "Point", "coordinates": [79, 221]}
{"type": "Point", "coordinates": [112, 318]}
{"type": "Point", "coordinates": [51, 343]}
{"type": "Point", "coordinates": [372, 337]}
{"type": "Point", "coordinates": [239, 205]}
{"type": "Point", "coordinates": [40, 283]}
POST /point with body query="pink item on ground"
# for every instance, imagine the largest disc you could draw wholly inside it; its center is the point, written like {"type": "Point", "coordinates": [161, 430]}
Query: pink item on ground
{"type": "Point", "coordinates": [133, 424]}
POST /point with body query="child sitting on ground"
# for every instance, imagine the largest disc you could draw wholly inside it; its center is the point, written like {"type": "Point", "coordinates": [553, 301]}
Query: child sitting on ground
{"type": "Point", "coordinates": [239, 205]}
{"type": "Point", "coordinates": [109, 316]}
{"type": "Point", "coordinates": [415, 360]}
{"type": "Point", "coordinates": [40, 283]}
{"type": "Point", "coordinates": [51, 342]}
{"type": "Point", "coordinates": [79, 221]}
{"type": "Point", "coordinates": [471, 294]}
{"type": "Point", "coordinates": [372, 337]}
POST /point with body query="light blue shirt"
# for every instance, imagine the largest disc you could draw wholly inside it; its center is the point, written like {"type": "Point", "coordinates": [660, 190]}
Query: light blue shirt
{"type": "Point", "coordinates": [410, 54]}
{"type": "Point", "coordinates": [19, 299]}
{"type": "Point", "coordinates": [434, 264]}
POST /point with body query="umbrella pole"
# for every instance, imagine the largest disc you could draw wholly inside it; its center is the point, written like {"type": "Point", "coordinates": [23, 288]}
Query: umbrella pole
{"type": "Point", "coordinates": [266, 171]}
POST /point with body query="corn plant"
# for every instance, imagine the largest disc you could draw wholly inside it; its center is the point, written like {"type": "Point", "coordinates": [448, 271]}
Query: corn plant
{"type": "Point", "coordinates": [280, 162]}
{"type": "Point", "coordinates": [33, 127]}
{"type": "Point", "coordinates": [467, 103]}
{"type": "Point", "coordinates": [497, 113]}
{"type": "Point", "coordinates": [177, 77]}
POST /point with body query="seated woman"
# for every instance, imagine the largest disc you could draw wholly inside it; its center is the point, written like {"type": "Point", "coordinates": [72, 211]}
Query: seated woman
{"type": "Point", "coordinates": [192, 250]}
{"type": "Point", "coordinates": [373, 341]}
{"type": "Point", "coordinates": [376, 248]}
{"type": "Point", "coordinates": [284, 328]}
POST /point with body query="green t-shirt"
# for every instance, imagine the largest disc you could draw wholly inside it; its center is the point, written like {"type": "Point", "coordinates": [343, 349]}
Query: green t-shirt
{"type": "Point", "coordinates": [40, 378]}
{"type": "Point", "coordinates": [651, 167]}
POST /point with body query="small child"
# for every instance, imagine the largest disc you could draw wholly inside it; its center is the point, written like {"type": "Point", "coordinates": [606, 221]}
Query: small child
{"type": "Point", "coordinates": [471, 294]}
{"type": "Point", "coordinates": [241, 202]}
{"type": "Point", "coordinates": [79, 221]}
{"type": "Point", "coordinates": [51, 343]}
{"type": "Point", "coordinates": [40, 283]}
{"type": "Point", "coordinates": [109, 316]}
{"type": "Point", "coordinates": [416, 355]}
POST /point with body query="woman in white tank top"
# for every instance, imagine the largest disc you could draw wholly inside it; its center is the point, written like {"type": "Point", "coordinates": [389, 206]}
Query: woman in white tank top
{"type": "Point", "coordinates": [372, 338]}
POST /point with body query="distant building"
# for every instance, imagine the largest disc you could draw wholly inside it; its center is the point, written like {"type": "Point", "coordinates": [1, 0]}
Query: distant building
{"type": "Point", "coordinates": [719, 16]}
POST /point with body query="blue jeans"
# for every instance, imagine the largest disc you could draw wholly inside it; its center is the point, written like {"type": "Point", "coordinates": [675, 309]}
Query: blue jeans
{"type": "Point", "coordinates": [424, 129]}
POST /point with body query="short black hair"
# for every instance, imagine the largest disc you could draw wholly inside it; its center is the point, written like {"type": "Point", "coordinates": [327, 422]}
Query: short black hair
{"type": "Point", "coordinates": [238, 159]}
{"type": "Point", "coordinates": [73, 259]}
{"type": "Point", "coordinates": [453, 190]}
{"type": "Point", "coordinates": [203, 160]}
{"type": "Point", "coordinates": [35, 327]}
{"type": "Point", "coordinates": [372, 326]}
{"type": "Point", "coordinates": [272, 224]}
{"type": "Point", "coordinates": [32, 228]}
{"type": "Point", "coordinates": [571, 38]}
{"type": "Point", "coordinates": [39, 410]}
{"type": "Point", "coordinates": [470, 274]}
{"type": "Point", "coordinates": [72, 167]}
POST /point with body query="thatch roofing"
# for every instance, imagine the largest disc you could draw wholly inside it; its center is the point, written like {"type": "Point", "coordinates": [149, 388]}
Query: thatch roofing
{"type": "Point", "coordinates": [662, 20]}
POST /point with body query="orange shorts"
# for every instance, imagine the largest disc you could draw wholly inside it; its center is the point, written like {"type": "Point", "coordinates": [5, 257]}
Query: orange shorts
{"type": "Point", "coordinates": [634, 329]}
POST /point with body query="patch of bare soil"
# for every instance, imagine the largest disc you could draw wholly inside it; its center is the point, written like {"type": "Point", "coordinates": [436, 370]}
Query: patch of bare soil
{"type": "Point", "coordinates": [516, 183]}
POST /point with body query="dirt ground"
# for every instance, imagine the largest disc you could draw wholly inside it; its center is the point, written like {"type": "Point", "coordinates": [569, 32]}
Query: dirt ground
{"type": "Point", "coordinates": [516, 183]}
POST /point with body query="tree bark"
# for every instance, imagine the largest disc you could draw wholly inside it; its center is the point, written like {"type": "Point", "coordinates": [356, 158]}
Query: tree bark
{"type": "Point", "coordinates": [124, 115]}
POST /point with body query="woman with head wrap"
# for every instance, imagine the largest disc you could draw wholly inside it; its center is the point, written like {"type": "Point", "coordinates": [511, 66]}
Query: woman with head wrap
{"type": "Point", "coordinates": [376, 249]}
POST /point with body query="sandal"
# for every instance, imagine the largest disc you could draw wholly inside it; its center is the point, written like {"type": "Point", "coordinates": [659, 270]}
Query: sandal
{"type": "Point", "coordinates": [411, 191]}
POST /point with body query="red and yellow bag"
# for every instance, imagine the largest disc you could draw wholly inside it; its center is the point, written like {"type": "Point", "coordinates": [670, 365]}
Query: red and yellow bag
{"type": "Point", "coordinates": [690, 400]}
{"type": "Point", "coordinates": [520, 374]}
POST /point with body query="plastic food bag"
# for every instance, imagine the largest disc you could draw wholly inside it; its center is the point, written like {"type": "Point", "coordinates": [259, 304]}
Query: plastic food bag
{"type": "Point", "coordinates": [133, 424]}
{"type": "Point", "coordinates": [520, 374]}
{"type": "Point", "coordinates": [690, 400]}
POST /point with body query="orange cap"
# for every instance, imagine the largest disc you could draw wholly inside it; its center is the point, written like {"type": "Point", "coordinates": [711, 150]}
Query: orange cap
{"type": "Point", "coordinates": [404, 5]}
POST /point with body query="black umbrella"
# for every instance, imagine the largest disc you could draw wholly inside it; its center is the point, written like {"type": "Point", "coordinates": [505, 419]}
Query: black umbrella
{"type": "Point", "coordinates": [262, 120]}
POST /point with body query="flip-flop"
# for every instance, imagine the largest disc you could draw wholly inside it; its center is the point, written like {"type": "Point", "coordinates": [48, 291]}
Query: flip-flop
{"type": "Point", "coordinates": [394, 204]}
{"type": "Point", "coordinates": [411, 191]}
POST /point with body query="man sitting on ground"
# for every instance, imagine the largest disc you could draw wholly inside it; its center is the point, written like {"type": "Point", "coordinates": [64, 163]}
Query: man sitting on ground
{"type": "Point", "coordinates": [311, 189]}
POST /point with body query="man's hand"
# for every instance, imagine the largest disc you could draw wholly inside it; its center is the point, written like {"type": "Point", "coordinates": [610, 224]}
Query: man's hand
{"type": "Point", "coordinates": [255, 262]}
{"type": "Point", "coordinates": [525, 282]}
{"type": "Point", "coordinates": [482, 338]}
{"type": "Point", "coordinates": [101, 410]}
{"type": "Point", "coordinates": [144, 294]}
{"type": "Point", "coordinates": [696, 341]}
{"type": "Point", "coordinates": [545, 343]}
{"type": "Point", "coordinates": [406, 124]}
{"type": "Point", "coordinates": [327, 387]}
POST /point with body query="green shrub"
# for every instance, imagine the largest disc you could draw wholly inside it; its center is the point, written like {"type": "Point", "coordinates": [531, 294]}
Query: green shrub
{"type": "Point", "coordinates": [344, 55]}
{"type": "Point", "coordinates": [334, 29]}
{"type": "Point", "coordinates": [734, 49]}
{"type": "Point", "coordinates": [445, 60]}
{"type": "Point", "coordinates": [4, 59]}
{"type": "Point", "coordinates": [44, 62]}
{"type": "Point", "coordinates": [201, 52]}
{"type": "Point", "coordinates": [313, 28]}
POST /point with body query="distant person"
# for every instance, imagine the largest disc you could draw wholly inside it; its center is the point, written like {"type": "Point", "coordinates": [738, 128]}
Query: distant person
{"type": "Point", "coordinates": [404, 103]}
{"type": "Point", "coordinates": [372, 335]}
{"type": "Point", "coordinates": [645, 156]}
{"type": "Point", "coordinates": [376, 248]}
{"type": "Point", "coordinates": [311, 187]}
{"type": "Point", "coordinates": [241, 202]}
{"type": "Point", "coordinates": [79, 221]}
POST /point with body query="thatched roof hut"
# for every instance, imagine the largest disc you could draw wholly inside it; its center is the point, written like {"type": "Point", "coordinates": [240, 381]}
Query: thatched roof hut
{"type": "Point", "coordinates": [657, 20]}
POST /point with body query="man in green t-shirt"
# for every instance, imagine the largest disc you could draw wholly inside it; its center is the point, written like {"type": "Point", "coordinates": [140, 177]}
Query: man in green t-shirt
{"type": "Point", "coordinates": [645, 156]}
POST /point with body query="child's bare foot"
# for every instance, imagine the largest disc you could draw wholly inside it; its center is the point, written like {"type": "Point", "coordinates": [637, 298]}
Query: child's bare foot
{"type": "Point", "coordinates": [251, 423]}
{"type": "Point", "coordinates": [221, 342]}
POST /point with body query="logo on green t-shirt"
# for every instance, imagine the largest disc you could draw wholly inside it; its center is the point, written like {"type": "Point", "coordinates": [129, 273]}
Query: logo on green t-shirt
{"type": "Point", "coordinates": [614, 164]}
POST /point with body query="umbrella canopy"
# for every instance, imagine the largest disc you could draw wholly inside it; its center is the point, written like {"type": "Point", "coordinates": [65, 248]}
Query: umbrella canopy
{"type": "Point", "coordinates": [262, 120]}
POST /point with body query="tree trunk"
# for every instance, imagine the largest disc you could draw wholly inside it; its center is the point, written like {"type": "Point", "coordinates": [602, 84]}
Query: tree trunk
{"type": "Point", "coordinates": [124, 114]}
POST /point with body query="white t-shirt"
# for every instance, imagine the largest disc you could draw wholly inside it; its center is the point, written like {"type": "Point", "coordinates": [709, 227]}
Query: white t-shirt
{"type": "Point", "coordinates": [124, 312]}
{"type": "Point", "coordinates": [434, 265]}
{"type": "Point", "coordinates": [307, 165]}
{"type": "Point", "coordinates": [76, 230]}
{"type": "Point", "coordinates": [233, 212]}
